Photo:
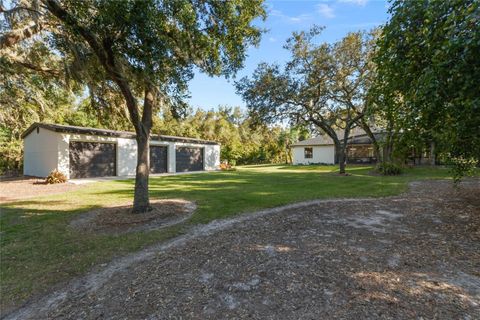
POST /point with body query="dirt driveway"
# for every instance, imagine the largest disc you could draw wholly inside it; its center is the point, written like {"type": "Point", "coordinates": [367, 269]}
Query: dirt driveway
{"type": "Point", "coordinates": [411, 256]}
{"type": "Point", "coordinates": [13, 189]}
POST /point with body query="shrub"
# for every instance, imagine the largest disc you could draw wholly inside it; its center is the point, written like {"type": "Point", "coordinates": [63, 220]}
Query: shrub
{"type": "Point", "coordinates": [56, 177]}
{"type": "Point", "coordinates": [389, 169]}
{"type": "Point", "coordinates": [11, 159]}
{"type": "Point", "coordinates": [225, 166]}
{"type": "Point", "coordinates": [463, 167]}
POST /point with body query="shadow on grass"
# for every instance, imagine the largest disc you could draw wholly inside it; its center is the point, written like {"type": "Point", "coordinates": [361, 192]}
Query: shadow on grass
{"type": "Point", "coordinates": [313, 167]}
{"type": "Point", "coordinates": [223, 194]}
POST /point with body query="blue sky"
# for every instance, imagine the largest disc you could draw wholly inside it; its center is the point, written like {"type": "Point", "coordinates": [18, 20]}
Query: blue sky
{"type": "Point", "coordinates": [338, 16]}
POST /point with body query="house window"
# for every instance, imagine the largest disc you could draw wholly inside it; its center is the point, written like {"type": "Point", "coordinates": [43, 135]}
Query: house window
{"type": "Point", "coordinates": [308, 153]}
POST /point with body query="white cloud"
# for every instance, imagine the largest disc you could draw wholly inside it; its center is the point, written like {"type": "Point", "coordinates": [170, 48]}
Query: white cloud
{"type": "Point", "coordinates": [325, 10]}
{"type": "Point", "coordinates": [300, 18]}
{"type": "Point", "coordinates": [290, 19]}
{"type": "Point", "coordinates": [272, 39]}
{"type": "Point", "coordinates": [361, 3]}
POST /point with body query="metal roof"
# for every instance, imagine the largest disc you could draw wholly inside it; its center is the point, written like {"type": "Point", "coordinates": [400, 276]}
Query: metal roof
{"type": "Point", "coordinates": [326, 140]}
{"type": "Point", "coordinates": [317, 141]}
{"type": "Point", "coordinates": [108, 133]}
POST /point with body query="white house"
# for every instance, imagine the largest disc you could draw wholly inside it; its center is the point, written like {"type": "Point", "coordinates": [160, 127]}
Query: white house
{"type": "Point", "coordinates": [315, 150]}
{"type": "Point", "coordinates": [81, 152]}
{"type": "Point", "coordinates": [321, 149]}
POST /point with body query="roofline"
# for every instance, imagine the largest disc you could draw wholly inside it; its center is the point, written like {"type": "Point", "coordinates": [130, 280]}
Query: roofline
{"type": "Point", "coordinates": [350, 140]}
{"type": "Point", "coordinates": [109, 133]}
{"type": "Point", "coordinates": [312, 145]}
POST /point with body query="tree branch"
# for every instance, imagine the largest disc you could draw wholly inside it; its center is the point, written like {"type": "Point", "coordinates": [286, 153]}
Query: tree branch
{"type": "Point", "coordinates": [37, 68]}
{"type": "Point", "coordinates": [12, 38]}
{"type": "Point", "coordinates": [103, 50]}
{"type": "Point", "coordinates": [18, 8]}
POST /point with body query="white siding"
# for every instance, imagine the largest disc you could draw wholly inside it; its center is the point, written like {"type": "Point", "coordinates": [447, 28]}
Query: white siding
{"type": "Point", "coordinates": [126, 157]}
{"type": "Point", "coordinates": [212, 157]}
{"type": "Point", "coordinates": [321, 154]}
{"type": "Point", "coordinates": [40, 152]}
{"type": "Point", "coordinates": [63, 154]}
{"type": "Point", "coordinates": [172, 158]}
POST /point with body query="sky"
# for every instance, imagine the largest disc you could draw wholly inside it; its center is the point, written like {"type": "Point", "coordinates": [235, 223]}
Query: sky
{"type": "Point", "coordinates": [284, 17]}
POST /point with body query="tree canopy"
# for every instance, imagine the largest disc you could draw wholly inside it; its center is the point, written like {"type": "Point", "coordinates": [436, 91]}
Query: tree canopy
{"type": "Point", "coordinates": [428, 69]}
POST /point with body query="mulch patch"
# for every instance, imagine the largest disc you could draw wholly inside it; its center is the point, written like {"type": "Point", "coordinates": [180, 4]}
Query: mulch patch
{"type": "Point", "coordinates": [120, 219]}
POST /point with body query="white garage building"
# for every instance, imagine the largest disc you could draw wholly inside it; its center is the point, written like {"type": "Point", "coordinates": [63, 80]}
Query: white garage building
{"type": "Point", "coordinates": [81, 152]}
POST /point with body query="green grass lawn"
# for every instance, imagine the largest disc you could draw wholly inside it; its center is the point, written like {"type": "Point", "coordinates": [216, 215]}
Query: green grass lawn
{"type": "Point", "coordinates": [38, 250]}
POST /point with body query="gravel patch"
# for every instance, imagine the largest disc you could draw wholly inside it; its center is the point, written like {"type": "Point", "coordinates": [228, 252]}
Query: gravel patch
{"type": "Point", "coordinates": [412, 256]}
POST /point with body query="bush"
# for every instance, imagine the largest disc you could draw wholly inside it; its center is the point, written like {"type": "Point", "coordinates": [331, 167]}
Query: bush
{"type": "Point", "coordinates": [389, 169]}
{"type": "Point", "coordinates": [225, 166]}
{"type": "Point", "coordinates": [56, 177]}
{"type": "Point", "coordinates": [463, 167]}
{"type": "Point", "coordinates": [11, 159]}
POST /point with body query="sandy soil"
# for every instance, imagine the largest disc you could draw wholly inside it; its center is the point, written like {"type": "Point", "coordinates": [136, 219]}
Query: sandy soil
{"type": "Point", "coordinates": [27, 187]}
{"type": "Point", "coordinates": [412, 256]}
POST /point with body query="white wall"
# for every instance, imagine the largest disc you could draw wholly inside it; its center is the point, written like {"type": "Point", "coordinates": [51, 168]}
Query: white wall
{"type": "Point", "coordinates": [212, 157]}
{"type": "Point", "coordinates": [40, 152]}
{"type": "Point", "coordinates": [321, 154]}
{"type": "Point", "coordinates": [126, 157]}
{"type": "Point", "coordinates": [172, 158]}
{"type": "Point", "coordinates": [64, 154]}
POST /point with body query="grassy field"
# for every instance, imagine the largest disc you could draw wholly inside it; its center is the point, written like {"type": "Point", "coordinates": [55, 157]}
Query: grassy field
{"type": "Point", "coordinates": [38, 250]}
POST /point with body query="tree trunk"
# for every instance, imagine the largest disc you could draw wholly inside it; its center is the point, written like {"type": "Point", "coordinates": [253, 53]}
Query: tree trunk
{"type": "Point", "coordinates": [432, 153]}
{"type": "Point", "coordinates": [340, 149]}
{"type": "Point", "coordinates": [388, 147]}
{"type": "Point", "coordinates": [371, 135]}
{"type": "Point", "coordinates": [141, 202]}
{"type": "Point", "coordinates": [103, 49]}
{"type": "Point", "coordinates": [377, 153]}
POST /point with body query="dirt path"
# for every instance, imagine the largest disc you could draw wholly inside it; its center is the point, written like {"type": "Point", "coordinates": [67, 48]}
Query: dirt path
{"type": "Point", "coordinates": [411, 256]}
{"type": "Point", "coordinates": [14, 189]}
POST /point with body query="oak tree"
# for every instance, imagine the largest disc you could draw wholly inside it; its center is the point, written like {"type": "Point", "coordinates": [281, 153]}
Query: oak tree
{"type": "Point", "coordinates": [324, 85]}
{"type": "Point", "coordinates": [147, 51]}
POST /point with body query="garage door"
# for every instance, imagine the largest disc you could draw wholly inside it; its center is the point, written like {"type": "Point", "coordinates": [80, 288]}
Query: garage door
{"type": "Point", "coordinates": [189, 159]}
{"type": "Point", "coordinates": [92, 159]}
{"type": "Point", "coordinates": [158, 159]}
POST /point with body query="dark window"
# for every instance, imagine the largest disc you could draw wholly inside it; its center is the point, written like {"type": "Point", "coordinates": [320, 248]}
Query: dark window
{"type": "Point", "coordinates": [308, 153]}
